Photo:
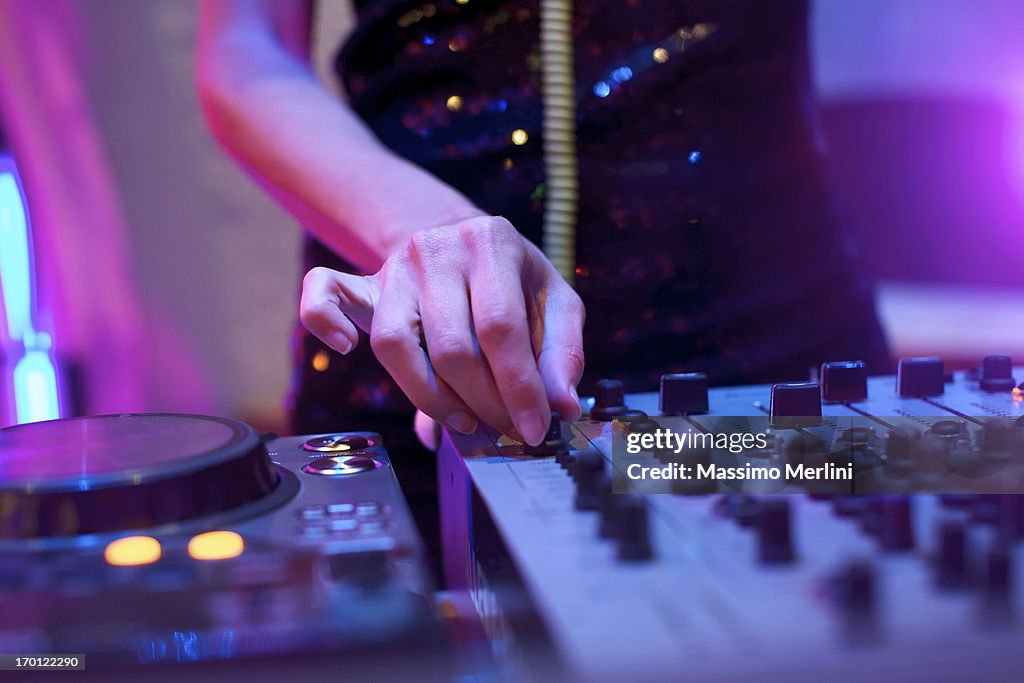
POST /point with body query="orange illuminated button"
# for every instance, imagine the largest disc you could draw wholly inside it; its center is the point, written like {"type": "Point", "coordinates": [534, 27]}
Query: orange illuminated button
{"type": "Point", "coordinates": [132, 550]}
{"type": "Point", "coordinates": [216, 545]}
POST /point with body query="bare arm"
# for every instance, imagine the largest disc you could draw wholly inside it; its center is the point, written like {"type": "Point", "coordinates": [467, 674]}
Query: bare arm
{"type": "Point", "coordinates": [470, 319]}
{"type": "Point", "coordinates": [302, 144]}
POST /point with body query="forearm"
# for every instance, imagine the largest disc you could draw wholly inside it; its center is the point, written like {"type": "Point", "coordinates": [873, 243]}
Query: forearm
{"type": "Point", "coordinates": [314, 155]}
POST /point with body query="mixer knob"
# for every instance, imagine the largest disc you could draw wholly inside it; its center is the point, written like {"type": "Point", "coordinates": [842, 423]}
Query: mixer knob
{"type": "Point", "coordinates": [844, 381]}
{"type": "Point", "coordinates": [588, 474]}
{"type": "Point", "coordinates": [997, 374]}
{"type": "Point", "coordinates": [920, 377]}
{"type": "Point", "coordinates": [684, 393]}
{"type": "Point", "coordinates": [1011, 516]}
{"type": "Point", "coordinates": [554, 442]}
{"type": "Point", "coordinates": [633, 529]}
{"type": "Point", "coordinates": [951, 562]}
{"type": "Point", "coordinates": [897, 531]}
{"type": "Point", "coordinates": [774, 533]}
{"type": "Point", "coordinates": [795, 404]}
{"type": "Point", "coordinates": [997, 601]}
{"type": "Point", "coordinates": [855, 595]}
{"type": "Point", "coordinates": [608, 510]}
{"type": "Point", "coordinates": [609, 400]}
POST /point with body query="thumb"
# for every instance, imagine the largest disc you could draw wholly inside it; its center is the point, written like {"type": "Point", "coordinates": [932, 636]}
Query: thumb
{"type": "Point", "coordinates": [334, 303]}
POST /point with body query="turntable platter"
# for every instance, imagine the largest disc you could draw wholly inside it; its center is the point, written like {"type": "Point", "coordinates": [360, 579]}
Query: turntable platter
{"type": "Point", "coordinates": [110, 473]}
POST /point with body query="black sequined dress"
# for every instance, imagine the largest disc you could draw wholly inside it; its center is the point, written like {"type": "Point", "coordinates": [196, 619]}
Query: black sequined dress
{"type": "Point", "coordinates": [705, 243]}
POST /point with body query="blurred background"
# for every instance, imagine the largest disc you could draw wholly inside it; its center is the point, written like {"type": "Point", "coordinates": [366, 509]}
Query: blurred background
{"type": "Point", "coordinates": [166, 280]}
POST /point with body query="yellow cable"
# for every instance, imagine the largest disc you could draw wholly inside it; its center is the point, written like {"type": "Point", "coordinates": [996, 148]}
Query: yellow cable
{"type": "Point", "coordinates": [561, 196]}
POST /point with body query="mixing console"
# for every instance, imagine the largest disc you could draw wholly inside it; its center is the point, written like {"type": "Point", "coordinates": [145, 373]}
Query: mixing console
{"type": "Point", "coordinates": [794, 581]}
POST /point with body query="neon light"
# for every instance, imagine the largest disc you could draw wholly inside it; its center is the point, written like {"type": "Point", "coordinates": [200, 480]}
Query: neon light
{"type": "Point", "coordinates": [34, 378]}
{"type": "Point", "coordinates": [15, 264]}
{"type": "Point", "coordinates": [35, 388]}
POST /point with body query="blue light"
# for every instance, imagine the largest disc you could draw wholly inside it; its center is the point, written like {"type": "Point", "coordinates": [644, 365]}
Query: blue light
{"type": "Point", "coordinates": [499, 105]}
{"type": "Point", "coordinates": [622, 74]}
{"type": "Point", "coordinates": [694, 157]}
{"type": "Point", "coordinates": [428, 40]}
{"type": "Point", "coordinates": [34, 377]}
{"type": "Point", "coordinates": [602, 89]}
{"type": "Point", "coordinates": [15, 260]}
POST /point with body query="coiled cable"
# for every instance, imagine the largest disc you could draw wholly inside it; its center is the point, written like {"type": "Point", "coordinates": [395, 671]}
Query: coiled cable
{"type": "Point", "coordinates": [558, 93]}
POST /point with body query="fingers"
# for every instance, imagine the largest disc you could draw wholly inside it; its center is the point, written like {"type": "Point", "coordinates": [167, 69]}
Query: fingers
{"type": "Point", "coordinates": [395, 338]}
{"type": "Point", "coordinates": [332, 301]}
{"type": "Point", "coordinates": [561, 354]}
{"type": "Point", "coordinates": [452, 349]}
{"type": "Point", "coordinates": [502, 328]}
{"type": "Point", "coordinates": [427, 431]}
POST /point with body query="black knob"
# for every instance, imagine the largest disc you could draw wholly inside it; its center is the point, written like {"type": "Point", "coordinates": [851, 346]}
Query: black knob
{"type": "Point", "coordinates": [795, 404]}
{"type": "Point", "coordinates": [608, 509]}
{"type": "Point", "coordinates": [844, 381]}
{"type": "Point", "coordinates": [1011, 516]}
{"type": "Point", "coordinates": [633, 529]}
{"type": "Point", "coordinates": [920, 377]}
{"type": "Point", "coordinates": [855, 589]}
{"type": "Point", "coordinates": [684, 393]}
{"type": "Point", "coordinates": [553, 443]}
{"type": "Point", "coordinates": [609, 400]}
{"type": "Point", "coordinates": [997, 436]}
{"type": "Point", "coordinates": [774, 533]}
{"type": "Point", "coordinates": [997, 374]}
{"type": "Point", "coordinates": [589, 473]}
{"type": "Point", "coordinates": [951, 562]}
{"type": "Point", "coordinates": [897, 530]}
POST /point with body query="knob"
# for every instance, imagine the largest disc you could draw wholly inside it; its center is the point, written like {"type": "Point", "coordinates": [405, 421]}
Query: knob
{"type": "Point", "coordinates": [844, 381]}
{"type": "Point", "coordinates": [774, 535]}
{"type": "Point", "coordinates": [553, 443]}
{"type": "Point", "coordinates": [609, 400]}
{"type": "Point", "coordinates": [684, 393]}
{"type": "Point", "coordinates": [589, 473]}
{"type": "Point", "coordinates": [1011, 516]}
{"type": "Point", "coordinates": [920, 377]}
{"type": "Point", "coordinates": [608, 509]}
{"type": "Point", "coordinates": [897, 531]}
{"type": "Point", "coordinates": [997, 374]}
{"type": "Point", "coordinates": [951, 563]}
{"type": "Point", "coordinates": [855, 595]}
{"type": "Point", "coordinates": [796, 404]}
{"type": "Point", "coordinates": [633, 529]}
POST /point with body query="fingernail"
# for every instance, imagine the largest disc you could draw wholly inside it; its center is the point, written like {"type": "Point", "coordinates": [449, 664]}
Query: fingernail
{"type": "Point", "coordinates": [531, 425]}
{"type": "Point", "coordinates": [577, 409]}
{"type": "Point", "coordinates": [461, 422]}
{"type": "Point", "coordinates": [339, 342]}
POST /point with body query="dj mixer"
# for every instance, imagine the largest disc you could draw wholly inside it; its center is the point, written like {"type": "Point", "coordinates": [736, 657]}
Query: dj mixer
{"type": "Point", "coordinates": [910, 571]}
{"type": "Point", "coordinates": [193, 546]}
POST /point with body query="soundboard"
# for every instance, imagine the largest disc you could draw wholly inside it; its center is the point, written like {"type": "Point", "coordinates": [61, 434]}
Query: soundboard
{"type": "Point", "coordinates": [193, 546]}
{"type": "Point", "coordinates": [911, 570]}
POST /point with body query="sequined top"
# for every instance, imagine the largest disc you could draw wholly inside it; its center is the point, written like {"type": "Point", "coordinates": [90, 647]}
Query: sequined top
{"type": "Point", "coordinates": [705, 239]}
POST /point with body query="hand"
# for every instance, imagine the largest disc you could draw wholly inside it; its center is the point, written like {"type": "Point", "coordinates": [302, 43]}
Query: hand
{"type": "Point", "coordinates": [470, 319]}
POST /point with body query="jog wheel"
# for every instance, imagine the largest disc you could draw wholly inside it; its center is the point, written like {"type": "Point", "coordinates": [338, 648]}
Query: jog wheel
{"type": "Point", "coordinates": [98, 475]}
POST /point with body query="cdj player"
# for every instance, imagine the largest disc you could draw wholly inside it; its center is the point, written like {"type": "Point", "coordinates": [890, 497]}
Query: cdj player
{"type": "Point", "coordinates": [709, 580]}
{"type": "Point", "coordinates": [191, 545]}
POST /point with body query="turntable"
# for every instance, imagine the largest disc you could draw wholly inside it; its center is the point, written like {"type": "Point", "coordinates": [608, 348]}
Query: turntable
{"type": "Point", "coordinates": [160, 539]}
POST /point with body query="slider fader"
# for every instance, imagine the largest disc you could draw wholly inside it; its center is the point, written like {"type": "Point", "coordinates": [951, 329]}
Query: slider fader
{"type": "Point", "coordinates": [574, 581]}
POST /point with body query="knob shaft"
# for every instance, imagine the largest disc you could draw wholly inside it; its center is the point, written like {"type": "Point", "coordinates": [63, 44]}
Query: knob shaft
{"type": "Point", "coordinates": [844, 381]}
{"type": "Point", "coordinates": [633, 529]}
{"type": "Point", "coordinates": [795, 404]}
{"type": "Point", "coordinates": [920, 377]}
{"type": "Point", "coordinates": [774, 535]}
{"type": "Point", "coordinates": [609, 400]}
{"type": "Point", "coordinates": [589, 473]}
{"type": "Point", "coordinates": [997, 374]}
{"type": "Point", "coordinates": [684, 393]}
